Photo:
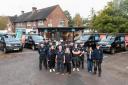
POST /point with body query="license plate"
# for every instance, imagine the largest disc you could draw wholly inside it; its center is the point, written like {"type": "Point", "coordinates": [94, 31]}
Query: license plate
{"type": "Point", "coordinates": [16, 49]}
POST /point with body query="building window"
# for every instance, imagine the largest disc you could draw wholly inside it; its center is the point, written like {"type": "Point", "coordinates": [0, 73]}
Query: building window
{"type": "Point", "coordinates": [18, 24]}
{"type": "Point", "coordinates": [61, 24]}
{"type": "Point", "coordinates": [49, 25]}
{"type": "Point", "coordinates": [28, 24]}
{"type": "Point", "coordinates": [40, 23]}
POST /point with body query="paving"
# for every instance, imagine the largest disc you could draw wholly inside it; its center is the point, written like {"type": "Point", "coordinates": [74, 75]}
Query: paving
{"type": "Point", "coordinates": [21, 68]}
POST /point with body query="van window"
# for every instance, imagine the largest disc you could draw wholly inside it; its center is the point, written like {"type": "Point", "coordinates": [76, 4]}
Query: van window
{"type": "Point", "coordinates": [122, 39]}
{"type": "Point", "coordinates": [96, 37]}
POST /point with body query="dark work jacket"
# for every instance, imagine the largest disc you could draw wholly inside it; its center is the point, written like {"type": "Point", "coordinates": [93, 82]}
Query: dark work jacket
{"type": "Point", "coordinates": [47, 46]}
{"type": "Point", "coordinates": [98, 54]}
{"type": "Point", "coordinates": [82, 49]}
{"type": "Point", "coordinates": [52, 54]}
{"type": "Point", "coordinates": [68, 57]}
{"type": "Point", "coordinates": [60, 56]}
{"type": "Point", "coordinates": [89, 57]}
{"type": "Point", "coordinates": [42, 51]}
{"type": "Point", "coordinates": [71, 48]}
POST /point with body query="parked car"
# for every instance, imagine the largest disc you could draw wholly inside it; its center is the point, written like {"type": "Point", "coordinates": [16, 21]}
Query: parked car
{"type": "Point", "coordinates": [114, 43]}
{"type": "Point", "coordinates": [9, 43]}
{"type": "Point", "coordinates": [33, 41]}
{"type": "Point", "coordinates": [89, 40]}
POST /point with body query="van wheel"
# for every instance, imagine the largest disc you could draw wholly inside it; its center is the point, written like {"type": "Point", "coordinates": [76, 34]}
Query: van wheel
{"type": "Point", "coordinates": [33, 47]}
{"type": "Point", "coordinates": [21, 50]}
{"type": "Point", "coordinates": [5, 50]}
{"type": "Point", "coordinates": [112, 51]}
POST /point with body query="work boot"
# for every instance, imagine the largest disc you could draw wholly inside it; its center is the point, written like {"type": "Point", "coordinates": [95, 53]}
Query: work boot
{"type": "Point", "coordinates": [94, 72]}
{"type": "Point", "coordinates": [40, 68]}
{"type": "Point", "coordinates": [99, 75]}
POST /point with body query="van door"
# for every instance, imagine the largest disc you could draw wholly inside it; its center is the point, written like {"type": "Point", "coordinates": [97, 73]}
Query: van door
{"type": "Point", "coordinates": [117, 43]}
{"type": "Point", "coordinates": [122, 42]}
{"type": "Point", "coordinates": [2, 43]}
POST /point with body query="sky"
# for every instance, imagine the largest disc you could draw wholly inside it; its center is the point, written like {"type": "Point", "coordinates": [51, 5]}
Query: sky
{"type": "Point", "coordinates": [83, 7]}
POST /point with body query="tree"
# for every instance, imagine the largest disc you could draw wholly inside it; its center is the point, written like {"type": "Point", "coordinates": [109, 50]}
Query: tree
{"type": "Point", "coordinates": [85, 22]}
{"type": "Point", "coordinates": [77, 20]}
{"type": "Point", "coordinates": [111, 20]}
{"type": "Point", "coordinates": [70, 22]}
{"type": "Point", "coordinates": [3, 22]}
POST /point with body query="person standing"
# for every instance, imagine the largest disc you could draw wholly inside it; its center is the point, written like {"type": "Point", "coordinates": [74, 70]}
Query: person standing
{"type": "Point", "coordinates": [60, 60]}
{"type": "Point", "coordinates": [81, 56]}
{"type": "Point", "coordinates": [76, 60]}
{"type": "Point", "coordinates": [46, 44]}
{"type": "Point", "coordinates": [68, 59]}
{"type": "Point", "coordinates": [51, 58]}
{"type": "Point", "coordinates": [89, 59]}
{"type": "Point", "coordinates": [42, 55]}
{"type": "Point", "coordinates": [23, 39]}
{"type": "Point", "coordinates": [97, 58]}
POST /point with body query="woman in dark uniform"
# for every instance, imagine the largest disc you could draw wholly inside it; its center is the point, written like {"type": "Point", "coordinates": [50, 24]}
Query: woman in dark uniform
{"type": "Point", "coordinates": [51, 58]}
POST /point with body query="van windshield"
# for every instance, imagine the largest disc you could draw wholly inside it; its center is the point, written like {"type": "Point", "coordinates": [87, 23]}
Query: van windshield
{"type": "Point", "coordinates": [85, 37]}
{"type": "Point", "coordinates": [108, 39]}
{"type": "Point", "coordinates": [37, 38]}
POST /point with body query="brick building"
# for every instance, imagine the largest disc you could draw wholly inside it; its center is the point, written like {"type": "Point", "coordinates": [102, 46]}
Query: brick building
{"type": "Point", "coordinates": [38, 18]}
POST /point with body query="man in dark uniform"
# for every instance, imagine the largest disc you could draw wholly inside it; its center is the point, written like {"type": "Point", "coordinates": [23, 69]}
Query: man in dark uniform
{"type": "Point", "coordinates": [42, 57]}
{"type": "Point", "coordinates": [71, 48]}
{"type": "Point", "coordinates": [81, 56]}
{"type": "Point", "coordinates": [47, 46]}
{"type": "Point", "coordinates": [60, 60]}
{"type": "Point", "coordinates": [76, 60]}
{"type": "Point", "coordinates": [97, 58]}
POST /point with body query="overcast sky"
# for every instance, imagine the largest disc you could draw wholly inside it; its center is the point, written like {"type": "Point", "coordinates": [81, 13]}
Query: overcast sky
{"type": "Point", "coordinates": [13, 7]}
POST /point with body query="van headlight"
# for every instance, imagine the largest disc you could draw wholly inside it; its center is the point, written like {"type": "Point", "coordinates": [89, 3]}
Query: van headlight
{"type": "Point", "coordinates": [36, 43]}
{"type": "Point", "coordinates": [8, 45]}
{"type": "Point", "coordinates": [108, 45]}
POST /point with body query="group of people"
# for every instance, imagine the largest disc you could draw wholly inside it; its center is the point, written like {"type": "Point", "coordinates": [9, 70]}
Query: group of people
{"type": "Point", "coordinates": [65, 58]}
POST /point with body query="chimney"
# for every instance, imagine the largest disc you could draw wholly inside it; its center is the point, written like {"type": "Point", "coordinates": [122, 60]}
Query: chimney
{"type": "Point", "coordinates": [34, 9]}
{"type": "Point", "coordinates": [22, 12]}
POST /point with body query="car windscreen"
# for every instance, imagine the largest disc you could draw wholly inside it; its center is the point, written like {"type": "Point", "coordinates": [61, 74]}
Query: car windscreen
{"type": "Point", "coordinates": [37, 38]}
{"type": "Point", "coordinates": [85, 37]}
{"type": "Point", "coordinates": [11, 39]}
{"type": "Point", "coordinates": [108, 39]}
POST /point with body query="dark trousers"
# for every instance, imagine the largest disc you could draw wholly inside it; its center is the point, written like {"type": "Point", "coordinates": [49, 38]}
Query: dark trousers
{"type": "Point", "coordinates": [82, 62]}
{"type": "Point", "coordinates": [89, 65]}
{"type": "Point", "coordinates": [68, 67]}
{"type": "Point", "coordinates": [76, 62]}
{"type": "Point", "coordinates": [97, 65]}
{"type": "Point", "coordinates": [40, 62]}
{"type": "Point", "coordinates": [45, 63]}
{"type": "Point", "coordinates": [60, 66]}
{"type": "Point", "coordinates": [42, 59]}
{"type": "Point", "coordinates": [51, 64]}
